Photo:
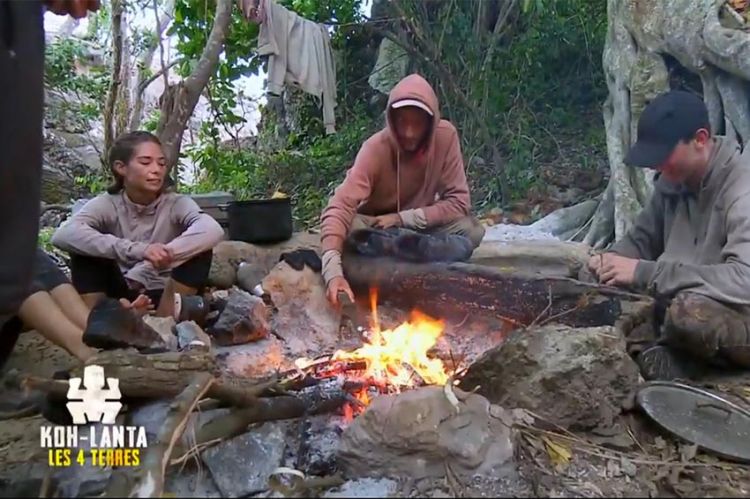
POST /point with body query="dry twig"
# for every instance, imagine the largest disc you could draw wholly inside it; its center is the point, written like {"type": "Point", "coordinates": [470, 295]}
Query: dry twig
{"type": "Point", "coordinates": [151, 481]}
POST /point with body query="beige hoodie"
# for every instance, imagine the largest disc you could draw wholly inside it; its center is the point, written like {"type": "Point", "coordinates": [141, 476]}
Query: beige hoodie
{"type": "Point", "coordinates": [697, 241]}
{"type": "Point", "coordinates": [427, 189]}
{"type": "Point", "coordinates": [114, 227]}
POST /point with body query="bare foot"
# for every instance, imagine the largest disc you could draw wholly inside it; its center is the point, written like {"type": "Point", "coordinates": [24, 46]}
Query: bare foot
{"type": "Point", "coordinates": [141, 305]}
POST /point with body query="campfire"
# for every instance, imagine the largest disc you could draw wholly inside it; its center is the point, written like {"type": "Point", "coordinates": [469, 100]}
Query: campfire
{"type": "Point", "coordinates": [389, 361]}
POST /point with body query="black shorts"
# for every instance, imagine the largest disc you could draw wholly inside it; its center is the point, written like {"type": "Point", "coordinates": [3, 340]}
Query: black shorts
{"type": "Point", "coordinates": [102, 275]}
{"type": "Point", "coordinates": [46, 276]}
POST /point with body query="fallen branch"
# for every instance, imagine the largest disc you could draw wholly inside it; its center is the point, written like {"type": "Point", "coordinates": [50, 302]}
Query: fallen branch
{"type": "Point", "coordinates": [223, 390]}
{"type": "Point", "coordinates": [151, 480]}
{"type": "Point", "coordinates": [237, 421]}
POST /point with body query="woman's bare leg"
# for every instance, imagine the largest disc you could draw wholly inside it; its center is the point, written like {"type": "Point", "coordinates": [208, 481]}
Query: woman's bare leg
{"type": "Point", "coordinates": [91, 299]}
{"type": "Point", "coordinates": [72, 304]}
{"type": "Point", "coordinates": [41, 312]}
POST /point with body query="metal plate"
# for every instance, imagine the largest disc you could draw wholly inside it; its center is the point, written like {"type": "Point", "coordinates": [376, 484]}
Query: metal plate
{"type": "Point", "coordinates": [700, 417]}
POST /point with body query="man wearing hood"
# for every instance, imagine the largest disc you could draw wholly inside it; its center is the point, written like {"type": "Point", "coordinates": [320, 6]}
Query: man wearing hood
{"type": "Point", "coordinates": [410, 174]}
{"type": "Point", "coordinates": [690, 246]}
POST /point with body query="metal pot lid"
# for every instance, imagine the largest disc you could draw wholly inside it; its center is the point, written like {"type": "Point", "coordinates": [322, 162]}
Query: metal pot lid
{"type": "Point", "coordinates": [699, 417]}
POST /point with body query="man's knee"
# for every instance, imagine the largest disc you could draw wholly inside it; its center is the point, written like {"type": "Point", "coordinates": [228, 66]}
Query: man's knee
{"type": "Point", "coordinates": [361, 222]}
{"type": "Point", "coordinates": [468, 227]}
{"type": "Point", "coordinates": [708, 329]}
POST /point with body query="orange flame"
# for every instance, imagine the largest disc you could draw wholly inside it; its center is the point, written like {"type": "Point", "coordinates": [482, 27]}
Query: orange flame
{"type": "Point", "coordinates": [392, 356]}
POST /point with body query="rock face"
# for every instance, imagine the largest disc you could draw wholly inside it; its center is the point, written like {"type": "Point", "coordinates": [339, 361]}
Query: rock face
{"type": "Point", "coordinates": [304, 319]}
{"type": "Point", "coordinates": [61, 165]}
{"type": "Point", "coordinates": [418, 432]}
{"type": "Point", "coordinates": [243, 320]}
{"type": "Point", "coordinates": [574, 377]}
{"type": "Point", "coordinates": [228, 255]}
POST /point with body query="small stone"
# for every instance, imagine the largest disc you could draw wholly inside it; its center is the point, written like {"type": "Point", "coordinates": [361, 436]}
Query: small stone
{"type": "Point", "coordinates": [250, 275]}
{"type": "Point", "coordinates": [576, 378]}
{"type": "Point", "coordinates": [242, 465]}
{"type": "Point", "coordinates": [190, 336]}
{"type": "Point", "coordinates": [165, 327]}
{"type": "Point", "coordinates": [364, 487]}
{"type": "Point", "coordinates": [243, 320]}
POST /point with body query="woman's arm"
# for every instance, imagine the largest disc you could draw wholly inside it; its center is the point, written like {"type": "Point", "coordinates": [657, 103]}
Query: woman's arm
{"type": "Point", "coordinates": [201, 232]}
{"type": "Point", "coordinates": [86, 233]}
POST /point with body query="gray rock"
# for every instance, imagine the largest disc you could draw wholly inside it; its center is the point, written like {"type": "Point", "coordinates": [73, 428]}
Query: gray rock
{"type": "Point", "coordinates": [390, 67]}
{"type": "Point", "coordinates": [83, 480]}
{"type": "Point", "coordinates": [242, 465]}
{"type": "Point", "coordinates": [243, 320]}
{"type": "Point", "coordinates": [165, 327]}
{"type": "Point", "coordinates": [190, 336]}
{"type": "Point", "coordinates": [574, 377]}
{"type": "Point", "coordinates": [414, 434]}
{"type": "Point", "coordinates": [364, 487]}
{"type": "Point", "coordinates": [254, 360]}
{"type": "Point", "coordinates": [151, 416]}
{"type": "Point", "coordinates": [249, 275]}
{"type": "Point", "coordinates": [320, 442]}
{"type": "Point", "coordinates": [304, 318]}
{"type": "Point", "coordinates": [191, 483]}
{"type": "Point", "coordinates": [228, 255]}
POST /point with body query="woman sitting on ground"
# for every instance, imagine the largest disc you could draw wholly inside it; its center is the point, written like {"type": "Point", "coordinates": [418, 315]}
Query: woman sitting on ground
{"type": "Point", "coordinates": [56, 311]}
{"type": "Point", "coordinates": [137, 238]}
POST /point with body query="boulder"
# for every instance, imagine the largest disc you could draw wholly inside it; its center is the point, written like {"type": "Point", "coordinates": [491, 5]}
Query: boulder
{"type": "Point", "coordinates": [304, 319]}
{"type": "Point", "coordinates": [228, 255]}
{"type": "Point", "coordinates": [418, 432]}
{"type": "Point", "coordinates": [548, 258]}
{"type": "Point", "coordinates": [243, 320]}
{"type": "Point", "coordinates": [241, 466]}
{"type": "Point", "coordinates": [577, 378]}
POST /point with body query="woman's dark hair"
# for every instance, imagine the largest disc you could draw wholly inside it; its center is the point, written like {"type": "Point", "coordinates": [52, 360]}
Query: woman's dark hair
{"type": "Point", "coordinates": [123, 150]}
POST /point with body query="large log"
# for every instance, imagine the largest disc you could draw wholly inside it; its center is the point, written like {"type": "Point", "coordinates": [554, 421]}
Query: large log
{"type": "Point", "coordinates": [454, 290]}
{"type": "Point", "coordinates": [162, 375]}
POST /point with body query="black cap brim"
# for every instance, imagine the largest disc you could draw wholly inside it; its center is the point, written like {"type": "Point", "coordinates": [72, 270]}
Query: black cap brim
{"type": "Point", "coordinates": [648, 154]}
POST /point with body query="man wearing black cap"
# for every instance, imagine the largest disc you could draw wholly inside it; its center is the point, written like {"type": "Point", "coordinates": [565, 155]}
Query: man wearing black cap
{"type": "Point", "coordinates": [690, 245]}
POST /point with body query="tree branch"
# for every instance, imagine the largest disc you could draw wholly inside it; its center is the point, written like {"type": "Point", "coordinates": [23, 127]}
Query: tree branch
{"type": "Point", "coordinates": [190, 90]}
{"type": "Point", "coordinates": [151, 483]}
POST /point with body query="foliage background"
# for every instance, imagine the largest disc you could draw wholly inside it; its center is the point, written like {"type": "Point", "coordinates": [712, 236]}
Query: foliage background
{"type": "Point", "coordinates": [526, 99]}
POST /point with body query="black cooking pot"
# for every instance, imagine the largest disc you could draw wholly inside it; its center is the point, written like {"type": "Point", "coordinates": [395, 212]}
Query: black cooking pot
{"type": "Point", "coordinates": [260, 221]}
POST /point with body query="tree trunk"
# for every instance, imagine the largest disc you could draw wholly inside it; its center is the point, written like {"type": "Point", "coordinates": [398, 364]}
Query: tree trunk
{"type": "Point", "coordinates": [188, 93]}
{"type": "Point", "coordinates": [640, 37]}
{"type": "Point", "coordinates": [142, 80]}
{"type": "Point", "coordinates": [114, 86]}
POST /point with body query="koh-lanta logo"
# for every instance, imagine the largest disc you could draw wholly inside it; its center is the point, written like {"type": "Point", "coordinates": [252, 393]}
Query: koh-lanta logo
{"type": "Point", "coordinates": [109, 444]}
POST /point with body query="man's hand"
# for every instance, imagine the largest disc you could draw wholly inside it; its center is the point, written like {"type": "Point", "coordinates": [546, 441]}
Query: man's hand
{"type": "Point", "coordinates": [76, 8]}
{"type": "Point", "coordinates": [614, 270]}
{"type": "Point", "coordinates": [387, 221]}
{"type": "Point", "coordinates": [336, 286]}
{"type": "Point", "coordinates": [159, 255]}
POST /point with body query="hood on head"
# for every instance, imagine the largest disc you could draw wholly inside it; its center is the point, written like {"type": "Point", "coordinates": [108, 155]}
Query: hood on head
{"type": "Point", "coordinates": [414, 87]}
